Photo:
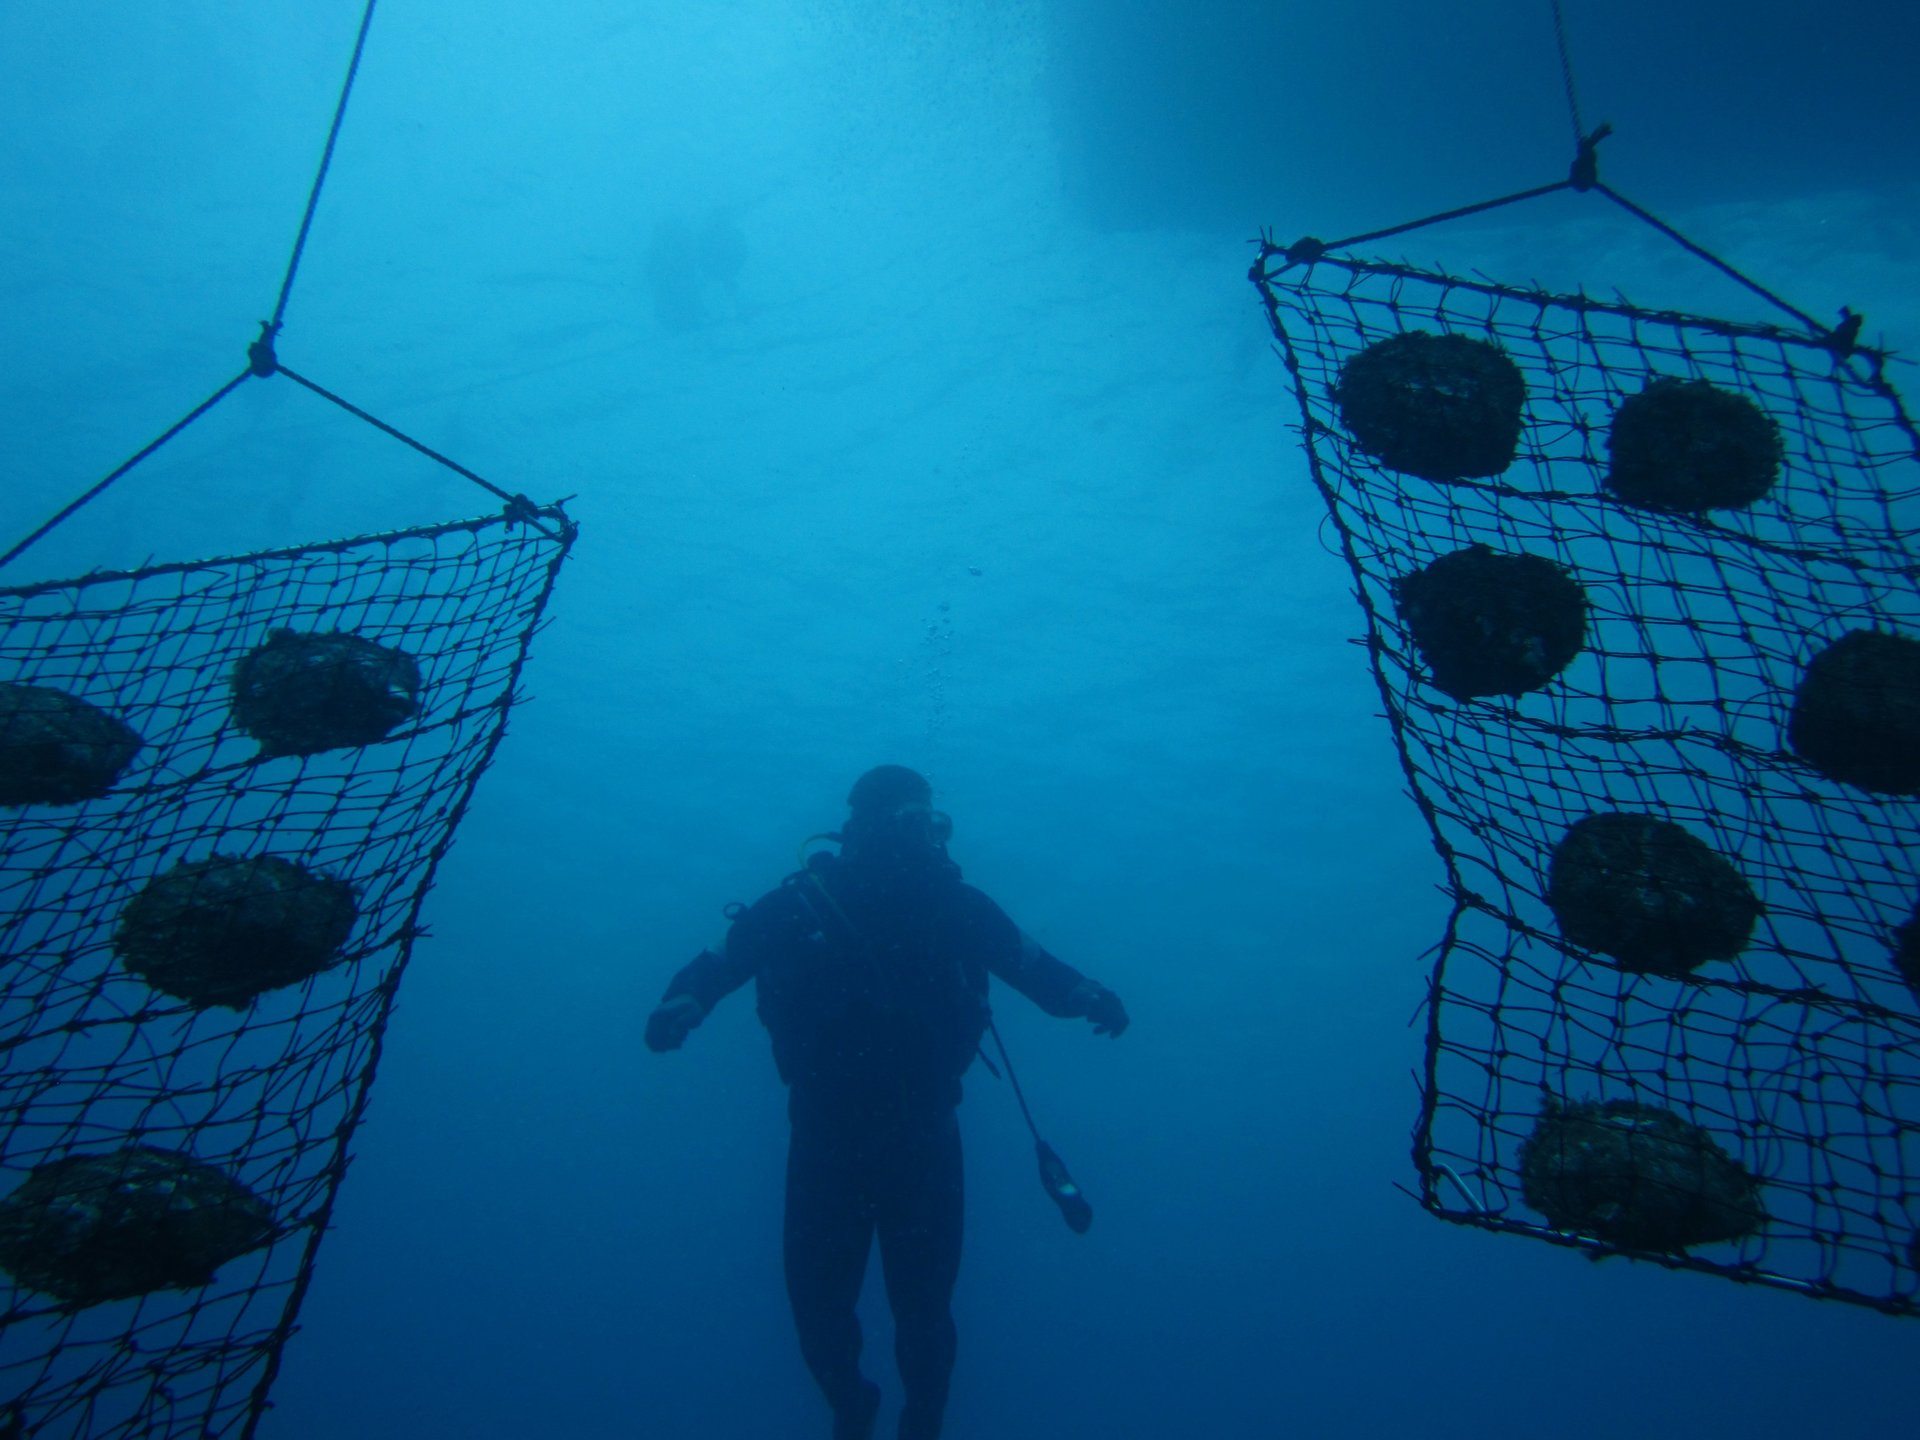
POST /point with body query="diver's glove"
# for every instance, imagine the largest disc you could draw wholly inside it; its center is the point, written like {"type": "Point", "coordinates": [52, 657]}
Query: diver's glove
{"type": "Point", "coordinates": [1100, 1005]}
{"type": "Point", "coordinates": [671, 1022]}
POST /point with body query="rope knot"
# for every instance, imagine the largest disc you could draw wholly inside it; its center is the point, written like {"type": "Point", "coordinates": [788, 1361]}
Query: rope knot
{"type": "Point", "coordinates": [1844, 337]}
{"type": "Point", "coordinates": [1585, 173]}
{"type": "Point", "coordinates": [1305, 251]}
{"type": "Point", "coordinates": [260, 357]}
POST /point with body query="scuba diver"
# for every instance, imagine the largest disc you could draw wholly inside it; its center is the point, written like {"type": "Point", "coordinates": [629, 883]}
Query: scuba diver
{"type": "Point", "coordinates": [872, 971]}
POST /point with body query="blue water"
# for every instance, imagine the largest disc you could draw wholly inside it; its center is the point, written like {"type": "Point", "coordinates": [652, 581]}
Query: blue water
{"type": "Point", "coordinates": [901, 358]}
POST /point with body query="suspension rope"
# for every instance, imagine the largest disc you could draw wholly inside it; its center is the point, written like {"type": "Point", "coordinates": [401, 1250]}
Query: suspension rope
{"type": "Point", "coordinates": [1724, 268]}
{"type": "Point", "coordinates": [202, 408]}
{"type": "Point", "coordinates": [1309, 249]}
{"type": "Point", "coordinates": [1842, 339]}
{"type": "Point", "coordinates": [262, 362]}
{"type": "Point", "coordinates": [515, 502]}
{"type": "Point", "coordinates": [1566, 73]}
{"type": "Point", "coordinates": [320, 178]}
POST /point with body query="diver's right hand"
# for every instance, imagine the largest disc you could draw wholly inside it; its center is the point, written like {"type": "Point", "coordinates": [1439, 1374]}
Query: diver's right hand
{"type": "Point", "coordinates": [671, 1022]}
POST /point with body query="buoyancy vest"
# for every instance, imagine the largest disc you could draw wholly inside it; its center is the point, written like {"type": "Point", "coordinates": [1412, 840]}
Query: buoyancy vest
{"type": "Point", "coordinates": [872, 988]}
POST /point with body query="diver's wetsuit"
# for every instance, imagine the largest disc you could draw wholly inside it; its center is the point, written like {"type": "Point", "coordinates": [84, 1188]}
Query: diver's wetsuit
{"type": "Point", "coordinates": [873, 987]}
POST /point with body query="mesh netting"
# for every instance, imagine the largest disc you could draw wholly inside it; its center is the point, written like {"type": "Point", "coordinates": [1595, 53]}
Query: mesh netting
{"type": "Point", "coordinates": [1607, 559]}
{"type": "Point", "coordinates": [231, 784]}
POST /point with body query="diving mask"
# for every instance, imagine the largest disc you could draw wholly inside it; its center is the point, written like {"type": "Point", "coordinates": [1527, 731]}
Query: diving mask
{"type": "Point", "coordinates": [920, 824]}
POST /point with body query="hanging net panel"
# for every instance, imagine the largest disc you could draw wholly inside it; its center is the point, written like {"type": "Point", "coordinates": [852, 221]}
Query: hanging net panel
{"type": "Point", "coordinates": [1642, 599]}
{"type": "Point", "coordinates": [227, 786]}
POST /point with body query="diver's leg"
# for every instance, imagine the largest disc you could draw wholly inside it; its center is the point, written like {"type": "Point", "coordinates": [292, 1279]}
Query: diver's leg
{"type": "Point", "coordinates": [828, 1232]}
{"type": "Point", "coordinates": [920, 1209]}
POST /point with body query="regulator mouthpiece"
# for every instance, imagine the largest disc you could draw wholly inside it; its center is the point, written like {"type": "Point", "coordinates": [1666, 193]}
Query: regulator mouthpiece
{"type": "Point", "coordinates": [1060, 1185]}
